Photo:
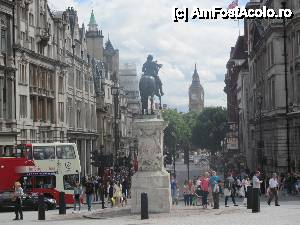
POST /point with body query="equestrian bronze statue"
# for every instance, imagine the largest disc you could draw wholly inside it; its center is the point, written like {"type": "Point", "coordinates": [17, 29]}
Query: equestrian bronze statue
{"type": "Point", "coordinates": [150, 84]}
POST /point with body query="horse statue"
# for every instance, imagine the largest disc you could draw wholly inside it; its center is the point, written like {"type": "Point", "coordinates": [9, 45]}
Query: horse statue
{"type": "Point", "coordinates": [150, 84]}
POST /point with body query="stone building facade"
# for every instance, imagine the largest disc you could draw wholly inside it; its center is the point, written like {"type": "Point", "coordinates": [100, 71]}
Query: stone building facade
{"type": "Point", "coordinates": [55, 99]}
{"type": "Point", "coordinates": [8, 132]}
{"type": "Point", "coordinates": [268, 117]}
{"type": "Point", "coordinates": [109, 58]}
{"type": "Point", "coordinates": [196, 94]}
{"type": "Point", "coordinates": [238, 57]}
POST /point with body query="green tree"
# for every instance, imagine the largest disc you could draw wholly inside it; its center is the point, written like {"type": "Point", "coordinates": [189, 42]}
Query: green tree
{"type": "Point", "coordinates": [179, 129]}
{"type": "Point", "coordinates": [210, 128]}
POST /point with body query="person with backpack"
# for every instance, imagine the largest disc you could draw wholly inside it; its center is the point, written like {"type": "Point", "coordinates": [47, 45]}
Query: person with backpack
{"type": "Point", "coordinates": [229, 189]}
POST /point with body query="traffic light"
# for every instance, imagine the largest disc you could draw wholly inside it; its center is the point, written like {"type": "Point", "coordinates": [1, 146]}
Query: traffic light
{"type": "Point", "coordinates": [186, 156]}
{"type": "Point", "coordinates": [96, 158]}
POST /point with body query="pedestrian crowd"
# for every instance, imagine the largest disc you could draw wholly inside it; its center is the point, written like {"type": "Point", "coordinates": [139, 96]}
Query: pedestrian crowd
{"type": "Point", "coordinates": [206, 190]}
{"type": "Point", "coordinates": [111, 189]}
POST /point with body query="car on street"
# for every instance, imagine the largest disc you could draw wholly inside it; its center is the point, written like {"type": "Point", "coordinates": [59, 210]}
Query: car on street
{"type": "Point", "coordinates": [29, 201]}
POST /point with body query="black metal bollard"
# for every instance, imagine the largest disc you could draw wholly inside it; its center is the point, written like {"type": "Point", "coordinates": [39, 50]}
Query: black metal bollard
{"type": "Point", "coordinates": [41, 207]}
{"type": "Point", "coordinates": [62, 203]}
{"type": "Point", "coordinates": [255, 200]}
{"type": "Point", "coordinates": [249, 197]}
{"type": "Point", "coordinates": [144, 206]}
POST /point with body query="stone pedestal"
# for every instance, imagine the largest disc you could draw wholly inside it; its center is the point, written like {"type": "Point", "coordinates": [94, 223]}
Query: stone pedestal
{"type": "Point", "coordinates": [151, 177]}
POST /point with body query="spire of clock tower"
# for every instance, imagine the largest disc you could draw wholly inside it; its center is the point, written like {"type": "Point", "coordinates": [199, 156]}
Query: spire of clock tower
{"type": "Point", "coordinates": [196, 93]}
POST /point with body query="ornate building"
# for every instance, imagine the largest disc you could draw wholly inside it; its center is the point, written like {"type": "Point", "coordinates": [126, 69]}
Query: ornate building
{"type": "Point", "coordinates": [55, 89]}
{"type": "Point", "coordinates": [196, 94]}
{"type": "Point", "coordinates": [8, 130]}
{"type": "Point", "coordinates": [269, 97]}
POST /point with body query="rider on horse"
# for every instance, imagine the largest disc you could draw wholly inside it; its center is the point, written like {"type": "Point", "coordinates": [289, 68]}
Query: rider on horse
{"type": "Point", "coordinates": [151, 68]}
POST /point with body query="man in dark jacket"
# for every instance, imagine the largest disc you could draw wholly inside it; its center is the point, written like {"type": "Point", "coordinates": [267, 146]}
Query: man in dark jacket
{"type": "Point", "coordinates": [89, 191]}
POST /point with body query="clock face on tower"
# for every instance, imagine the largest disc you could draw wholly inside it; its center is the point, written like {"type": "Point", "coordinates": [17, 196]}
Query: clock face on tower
{"type": "Point", "coordinates": [194, 97]}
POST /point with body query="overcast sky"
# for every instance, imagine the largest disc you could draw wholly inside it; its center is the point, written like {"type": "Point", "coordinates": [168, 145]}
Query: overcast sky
{"type": "Point", "coordinates": [140, 27]}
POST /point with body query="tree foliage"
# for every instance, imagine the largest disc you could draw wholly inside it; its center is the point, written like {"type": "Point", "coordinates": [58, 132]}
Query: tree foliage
{"type": "Point", "coordinates": [210, 128]}
{"type": "Point", "coordinates": [179, 129]}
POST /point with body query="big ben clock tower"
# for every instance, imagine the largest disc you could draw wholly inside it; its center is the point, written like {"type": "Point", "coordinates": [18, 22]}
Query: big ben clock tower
{"type": "Point", "coordinates": [196, 94]}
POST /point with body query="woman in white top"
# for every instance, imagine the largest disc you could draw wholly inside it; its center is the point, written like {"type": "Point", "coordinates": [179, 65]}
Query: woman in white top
{"type": "Point", "coordinates": [245, 185]}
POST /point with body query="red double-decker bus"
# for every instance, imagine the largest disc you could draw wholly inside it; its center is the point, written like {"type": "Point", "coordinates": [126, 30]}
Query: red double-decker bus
{"type": "Point", "coordinates": [47, 168]}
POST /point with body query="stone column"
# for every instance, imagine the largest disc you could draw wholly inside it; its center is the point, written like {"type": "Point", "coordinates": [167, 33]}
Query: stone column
{"type": "Point", "coordinates": [151, 177]}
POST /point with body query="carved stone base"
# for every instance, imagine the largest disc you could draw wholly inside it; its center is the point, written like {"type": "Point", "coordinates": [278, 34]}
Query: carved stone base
{"type": "Point", "coordinates": [151, 177]}
{"type": "Point", "coordinates": [157, 186]}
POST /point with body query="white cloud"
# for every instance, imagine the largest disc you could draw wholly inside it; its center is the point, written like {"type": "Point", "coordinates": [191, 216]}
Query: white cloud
{"type": "Point", "coordinates": [138, 28]}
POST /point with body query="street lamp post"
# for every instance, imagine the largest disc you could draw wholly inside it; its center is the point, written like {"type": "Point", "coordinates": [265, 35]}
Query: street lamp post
{"type": "Point", "coordinates": [283, 3]}
{"type": "Point", "coordinates": [260, 144]}
{"type": "Point", "coordinates": [115, 93]}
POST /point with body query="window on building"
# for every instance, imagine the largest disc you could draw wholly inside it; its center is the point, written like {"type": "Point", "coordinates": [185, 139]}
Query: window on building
{"type": "Point", "coordinates": [50, 136]}
{"type": "Point", "coordinates": [60, 84]}
{"type": "Point", "coordinates": [69, 113]}
{"type": "Point", "coordinates": [87, 116]}
{"type": "Point", "coordinates": [32, 108]}
{"type": "Point", "coordinates": [50, 112]}
{"type": "Point", "coordinates": [32, 44]}
{"type": "Point", "coordinates": [23, 135]}
{"type": "Point", "coordinates": [86, 83]}
{"type": "Point", "coordinates": [61, 111]}
{"type": "Point", "coordinates": [40, 49]}
{"type": "Point", "coordinates": [79, 114]}
{"type": "Point", "coordinates": [50, 80]}
{"type": "Point", "coordinates": [31, 19]}
{"type": "Point", "coordinates": [23, 106]}
{"type": "Point", "coordinates": [33, 135]}
{"type": "Point", "coordinates": [23, 13]}
{"type": "Point", "coordinates": [79, 80]}
{"type": "Point", "coordinates": [23, 36]}
{"type": "Point", "coordinates": [71, 77]}
{"type": "Point", "coordinates": [22, 72]}
{"type": "Point", "coordinates": [62, 136]}
{"type": "Point", "coordinates": [3, 40]}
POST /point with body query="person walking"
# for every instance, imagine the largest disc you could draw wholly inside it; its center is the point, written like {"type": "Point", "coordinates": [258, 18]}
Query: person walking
{"type": "Point", "coordinates": [191, 190]}
{"type": "Point", "coordinates": [273, 186]}
{"type": "Point", "coordinates": [77, 195]}
{"type": "Point", "coordinates": [173, 189]}
{"type": "Point", "coordinates": [17, 197]}
{"type": "Point", "coordinates": [256, 192]}
{"type": "Point", "coordinates": [204, 188]}
{"type": "Point", "coordinates": [245, 185]}
{"type": "Point", "coordinates": [214, 181]}
{"type": "Point", "coordinates": [185, 193]}
{"type": "Point", "coordinates": [89, 191]}
{"type": "Point", "coordinates": [229, 190]}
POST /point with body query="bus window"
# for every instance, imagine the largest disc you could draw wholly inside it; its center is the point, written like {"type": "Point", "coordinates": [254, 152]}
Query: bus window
{"type": "Point", "coordinates": [65, 152]}
{"type": "Point", "coordinates": [27, 183]}
{"type": "Point", "coordinates": [43, 152]}
{"type": "Point", "coordinates": [45, 181]}
{"type": "Point", "coordinates": [69, 181]}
